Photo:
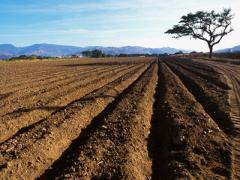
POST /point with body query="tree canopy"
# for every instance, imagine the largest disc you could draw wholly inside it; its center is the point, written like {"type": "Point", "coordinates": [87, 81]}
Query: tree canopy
{"type": "Point", "coordinates": [210, 27]}
{"type": "Point", "coordinates": [93, 54]}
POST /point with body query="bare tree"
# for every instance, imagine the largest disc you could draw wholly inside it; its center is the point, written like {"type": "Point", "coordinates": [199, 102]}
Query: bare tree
{"type": "Point", "coordinates": [210, 27]}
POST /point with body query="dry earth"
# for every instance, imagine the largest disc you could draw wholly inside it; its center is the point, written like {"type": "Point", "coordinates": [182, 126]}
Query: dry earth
{"type": "Point", "coordinates": [120, 118]}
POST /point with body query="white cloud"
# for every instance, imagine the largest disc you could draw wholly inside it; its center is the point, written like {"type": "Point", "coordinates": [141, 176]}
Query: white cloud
{"type": "Point", "coordinates": [126, 22]}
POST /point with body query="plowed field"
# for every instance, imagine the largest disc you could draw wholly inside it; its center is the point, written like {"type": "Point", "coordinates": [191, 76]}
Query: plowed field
{"type": "Point", "coordinates": [120, 118]}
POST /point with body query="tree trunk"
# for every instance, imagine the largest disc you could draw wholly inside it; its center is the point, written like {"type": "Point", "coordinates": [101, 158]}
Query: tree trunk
{"type": "Point", "coordinates": [210, 51]}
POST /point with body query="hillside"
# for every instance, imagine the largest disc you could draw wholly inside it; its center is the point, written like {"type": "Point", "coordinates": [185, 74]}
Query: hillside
{"type": "Point", "coordinates": [230, 50]}
{"type": "Point", "coordinates": [52, 50]}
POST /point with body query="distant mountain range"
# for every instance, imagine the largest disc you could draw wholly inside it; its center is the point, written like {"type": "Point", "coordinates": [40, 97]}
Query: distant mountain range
{"type": "Point", "coordinates": [229, 50]}
{"type": "Point", "coordinates": [52, 50]}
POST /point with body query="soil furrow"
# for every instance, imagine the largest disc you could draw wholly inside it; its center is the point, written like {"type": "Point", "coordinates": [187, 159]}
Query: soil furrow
{"type": "Point", "coordinates": [22, 71]}
{"type": "Point", "coordinates": [120, 118]}
{"type": "Point", "coordinates": [53, 72]}
{"type": "Point", "coordinates": [234, 96]}
{"type": "Point", "coordinates": [20, 77]}
{"type": "Point", "coordinates": [60, 130]}
{"type": "Point", "coordinates": [100, 90]}
{"type": "Point", "coordinates": [213, 77]}
{"type": "Point", "coordinates": [37, 99]}
{"type": "Point", "coordinates": [41, 89]}
{"type": "Point", "coordinates": [46, 85]}
{"type": "Point", "coordinates": [11, 125]}
{"type": "Point", "coordinates": [201, 66]}
{"type": "Point", "coordinates": [114, 145]}
{"type": "Point", "coordinates": [208, 95]}
{"type": "Point", "coordinates": [185, 143]}
{"type": "Point", "coordinates": [15, 84]}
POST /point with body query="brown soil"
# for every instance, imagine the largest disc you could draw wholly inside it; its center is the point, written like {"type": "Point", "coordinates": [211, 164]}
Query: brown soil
{"type": "Point", "coordinates": [120, 118]}
{"type": "Point", "coordinates": [232, 74]}
{"type": "Point", "coordinates": [191, 144]}
{"type": "Point", "coordinates": [212, 96]}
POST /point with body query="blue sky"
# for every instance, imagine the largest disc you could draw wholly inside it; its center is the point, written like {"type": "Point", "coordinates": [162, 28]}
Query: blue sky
{"type": "Point", "coordinates": [105, 22]}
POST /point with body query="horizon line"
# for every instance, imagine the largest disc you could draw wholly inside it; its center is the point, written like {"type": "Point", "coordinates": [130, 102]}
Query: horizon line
{"type": "Point", "coordinates": [111, 46]}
